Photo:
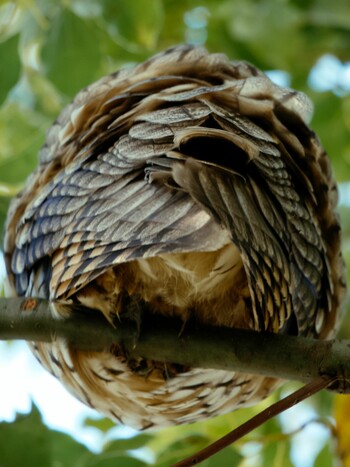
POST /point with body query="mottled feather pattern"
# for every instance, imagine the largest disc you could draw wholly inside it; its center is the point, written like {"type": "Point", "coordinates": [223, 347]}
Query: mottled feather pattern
{"type": "Point", "coordinates": [194, 184]}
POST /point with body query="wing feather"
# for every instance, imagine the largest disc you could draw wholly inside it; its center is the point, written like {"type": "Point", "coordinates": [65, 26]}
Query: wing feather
{"type": "Point", "coordinates": [185, 152]}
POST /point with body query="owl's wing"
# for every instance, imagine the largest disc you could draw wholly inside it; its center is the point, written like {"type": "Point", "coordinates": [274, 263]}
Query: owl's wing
{"type": "Point", "coordinates": [95, 215]}
{"type": "Point", "coordinates": [224, 152]}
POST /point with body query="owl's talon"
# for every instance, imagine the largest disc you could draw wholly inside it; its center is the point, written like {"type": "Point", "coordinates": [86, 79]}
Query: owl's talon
{"type": "Point", "coordinates": [131, 310]}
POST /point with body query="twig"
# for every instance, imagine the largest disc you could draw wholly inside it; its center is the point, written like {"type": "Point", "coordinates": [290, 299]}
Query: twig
{"type": "Point", "coordinates": [253, 423]}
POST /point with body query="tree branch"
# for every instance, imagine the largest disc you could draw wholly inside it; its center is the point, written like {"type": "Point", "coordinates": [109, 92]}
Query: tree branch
{"type": "Point", "coordinates": [281, 356]}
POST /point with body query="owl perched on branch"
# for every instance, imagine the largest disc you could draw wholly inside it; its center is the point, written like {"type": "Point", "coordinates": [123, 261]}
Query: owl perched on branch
{"type": "Point", "coordinates": [192, 184]}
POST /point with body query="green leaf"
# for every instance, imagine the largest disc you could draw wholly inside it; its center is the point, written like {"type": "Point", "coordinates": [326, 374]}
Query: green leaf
{"type": "Point", "coordinates": [102, 424]}
{"type": "Point", "coordinates": [276, 453]}
{"type": "Point", "coordinates": [337, 16]}
{"type": "Point", "coordinates": [330, 125]}
{"type": "Point", "coordinates": [65, 451]}
{"type": "Point", "coordinates": [71, 53]}
{"type": "Point", "coordinates": [226, 457]}
{"type": "Point", "coordinates": [135, 25]}
{"type": "Point", "coordinates": [27, 441]}
{"type": "Point", "coordinates": [325, 457]}
{"type": "Point", "coordinates": [28, 432]}
{"type": "Point", "coordinates": [123, 445]}
{"type": "Point", "coordinates": [4, 204]}
{"type": "Point", "coordinates": [103, 460]}
{"type": "Point", "coordinates": [44, 96]}
{"type": "Point", "coordinates": [10, 66]}
{"type": "Point", "coordinates": [181, 449]}
{"type": "Point", "coordinates": [22, 132]}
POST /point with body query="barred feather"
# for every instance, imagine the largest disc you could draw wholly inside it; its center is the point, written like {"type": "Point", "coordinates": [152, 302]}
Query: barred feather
{"type": "Point", "coordinates": [192, 183]}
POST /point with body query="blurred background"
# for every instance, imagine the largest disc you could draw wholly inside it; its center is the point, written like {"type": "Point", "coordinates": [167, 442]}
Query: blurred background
{"type": "Point", "coordinates": [49, 50]}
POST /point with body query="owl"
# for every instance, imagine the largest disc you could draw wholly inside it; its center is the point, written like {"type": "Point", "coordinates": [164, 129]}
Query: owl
{"type": "Point", "coordinates": [192, 184]}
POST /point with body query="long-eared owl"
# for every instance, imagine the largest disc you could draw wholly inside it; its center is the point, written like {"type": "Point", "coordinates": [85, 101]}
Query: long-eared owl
{"type": "Point", "coordinates": [193, 184]}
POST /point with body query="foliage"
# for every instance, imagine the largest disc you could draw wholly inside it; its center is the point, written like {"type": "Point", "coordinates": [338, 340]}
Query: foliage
{"type": "Point", "coordinates": [27, 441]}
{"type": "Point", "coordinates": [267, 446]}
{"type": "Point", "coordinates": [50, 49]}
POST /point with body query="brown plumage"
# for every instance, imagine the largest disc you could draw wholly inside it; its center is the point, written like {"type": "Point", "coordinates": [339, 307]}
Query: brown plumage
{"type": "Point", "coordinates": [192, 183]}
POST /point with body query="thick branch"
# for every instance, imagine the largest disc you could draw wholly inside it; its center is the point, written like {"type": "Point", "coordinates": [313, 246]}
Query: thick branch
{"type": "Point", "coordinates": [287, 357]}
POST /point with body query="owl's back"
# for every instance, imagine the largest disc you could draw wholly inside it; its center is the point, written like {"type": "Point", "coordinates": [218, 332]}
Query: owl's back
{"type": "Point", "coordinates": [193, 184]}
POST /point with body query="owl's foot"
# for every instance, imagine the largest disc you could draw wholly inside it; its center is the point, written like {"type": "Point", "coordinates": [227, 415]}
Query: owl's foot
{"type": "Point", "coordinates": [131, 310]}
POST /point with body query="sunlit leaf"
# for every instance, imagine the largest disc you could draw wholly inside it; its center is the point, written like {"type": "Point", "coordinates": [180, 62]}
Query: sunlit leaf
{"type": "Point", "coordinates": [325, 457]}
{"type": "Point", "coordinates": [135, 24]}
{"type": "Point", "coordinates": [276, 454]}
{"type": "Point", "coordinates": [71, 53]}
{"type": "Point", "coordinates": [45, 97]}
{"type": "Point", "coordinates": [342, 418]}
{"type": "Point", "coordinates": [102, 424]}
{"type": "Point", "coordinates": [10, 19]}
